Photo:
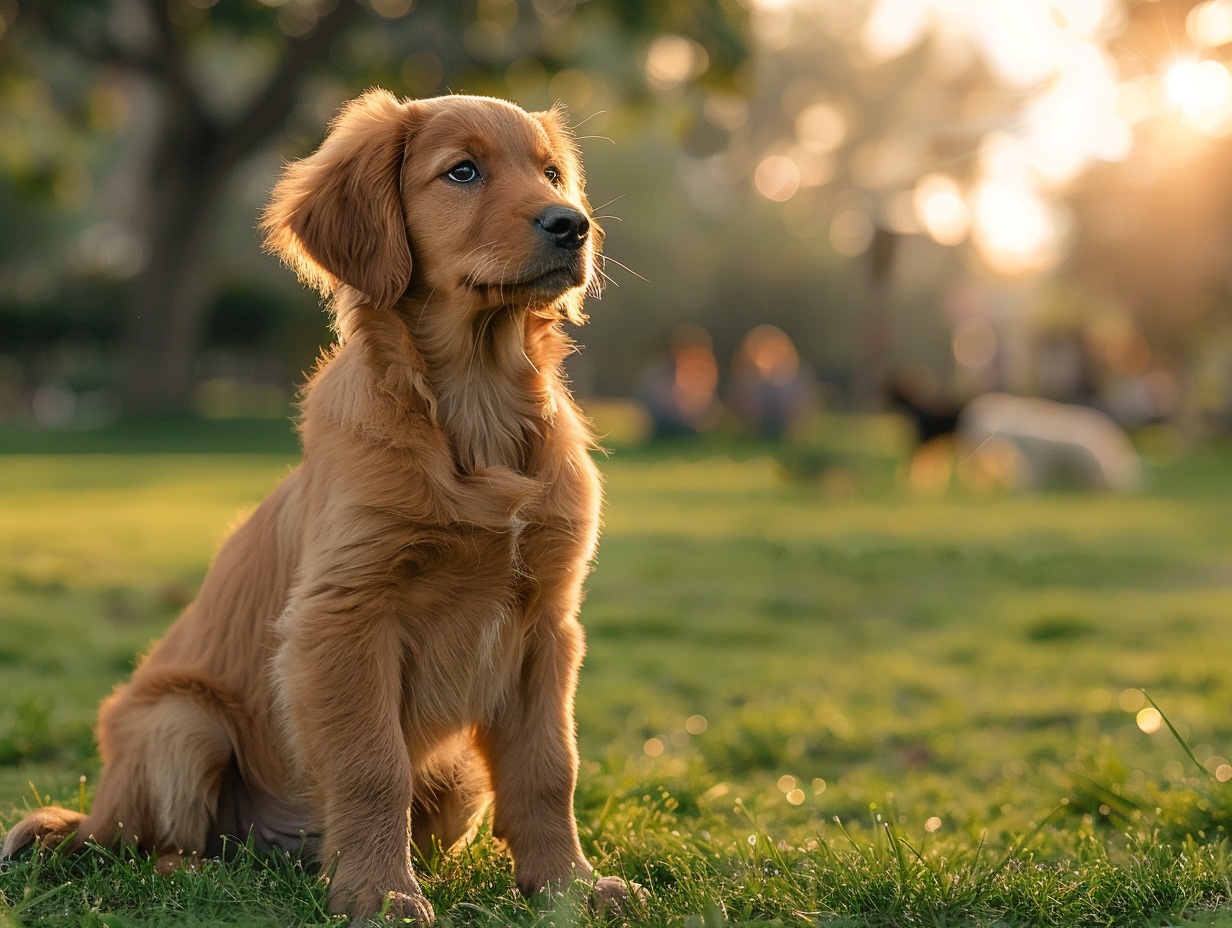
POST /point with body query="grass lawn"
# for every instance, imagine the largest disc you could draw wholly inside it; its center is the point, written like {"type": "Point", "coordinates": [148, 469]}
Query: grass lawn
{"type": "Point", "coordinates": [808, 700]}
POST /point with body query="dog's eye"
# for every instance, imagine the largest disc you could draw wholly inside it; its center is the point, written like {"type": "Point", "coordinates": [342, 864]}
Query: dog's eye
{"type": "Point", "coordinates": [553, 175]}
{"type": "Point", "coordinates": [464, 172]}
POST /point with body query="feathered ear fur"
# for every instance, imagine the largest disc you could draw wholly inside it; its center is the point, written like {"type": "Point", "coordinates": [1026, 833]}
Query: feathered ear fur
{"type": "Point", "coordinates": [336, 216]}
{"type": "Point", "coordinates": [555, 123]}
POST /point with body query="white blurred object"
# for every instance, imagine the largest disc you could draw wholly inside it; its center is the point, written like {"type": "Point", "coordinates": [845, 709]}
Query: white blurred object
{"type": "Point", "coordinates": [1029, 443]}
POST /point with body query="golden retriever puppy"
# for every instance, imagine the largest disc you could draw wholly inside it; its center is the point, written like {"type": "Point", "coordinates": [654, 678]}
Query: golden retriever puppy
{"type": "Point", "coordinates": [392, 636]}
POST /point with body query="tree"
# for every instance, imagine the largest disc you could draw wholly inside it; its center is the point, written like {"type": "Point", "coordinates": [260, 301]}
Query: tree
{"type": "Point", "coordinates": [1036, 140]}
{"type": "Point", "coordinates": [208, 121]}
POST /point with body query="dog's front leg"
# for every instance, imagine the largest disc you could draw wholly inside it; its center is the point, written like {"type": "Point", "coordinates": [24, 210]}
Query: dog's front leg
{"type": "Point", "coordinates": [531, 753]}
{"type": "Point", "coordinates": [341, 672]}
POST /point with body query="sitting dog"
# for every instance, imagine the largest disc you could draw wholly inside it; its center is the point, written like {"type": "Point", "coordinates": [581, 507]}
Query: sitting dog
{"type": "Point", "coordinates": [391, 638]}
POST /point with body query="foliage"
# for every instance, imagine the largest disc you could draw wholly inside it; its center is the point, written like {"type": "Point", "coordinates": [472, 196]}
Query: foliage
{"type": "Point", "coordinates": [129, 125]}
{"type": "Point", "coordinates": [816, 700]}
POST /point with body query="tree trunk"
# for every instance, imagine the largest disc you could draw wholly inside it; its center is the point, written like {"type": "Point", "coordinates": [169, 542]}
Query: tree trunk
{"type": "Point", "coordinates": [192, 161]}
{"type": "Point", "coordinates": [170, 296]}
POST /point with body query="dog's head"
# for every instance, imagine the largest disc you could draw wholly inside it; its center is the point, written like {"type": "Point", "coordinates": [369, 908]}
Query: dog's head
{"type": "Point", "coordinates": [469, 199]}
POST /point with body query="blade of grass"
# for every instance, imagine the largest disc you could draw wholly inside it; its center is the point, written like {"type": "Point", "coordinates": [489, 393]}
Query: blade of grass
{"type": "Point", "coordinates": [1179, 739]}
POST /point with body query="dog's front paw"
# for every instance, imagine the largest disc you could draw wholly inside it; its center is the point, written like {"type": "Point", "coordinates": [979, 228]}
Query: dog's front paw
{"type": "Point", "coordinates": [373, 904]}
{"type": "Point", "coordinates": [611, 897]}
{"type": "Point", "coordinates": [407, 905]}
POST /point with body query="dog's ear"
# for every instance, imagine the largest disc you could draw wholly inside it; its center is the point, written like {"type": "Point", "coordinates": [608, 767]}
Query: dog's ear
{"type": "Point", "coordinates": [336, 216]}
{"type": "Point", "coordinates": [555, 124]}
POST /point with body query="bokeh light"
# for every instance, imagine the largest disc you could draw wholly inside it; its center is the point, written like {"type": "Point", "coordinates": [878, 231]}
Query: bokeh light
{"type": "Point", "coordinates": [1202, 91]}
{"type": "Point", "coordinates": [851, 231]}
{"type": "Point", "coordinates": [1149, 720]}
{"type": "Point", "coordinates": [1069, 100]}
{"type": "Point", "coordinates": [672, 60]}
{"type": "Point", "coordinates": [1209, 24]}
{"type": "Point", "coordinates": [974, 343]}
{"type": "Point", "coordinates": [941, 208]}
{"type": "Point", "coordinates": [1016, 230]}
{"type": "Point", "coordinates": [777, 178]}
{"type": "Point", "coordinates": [821, 127]}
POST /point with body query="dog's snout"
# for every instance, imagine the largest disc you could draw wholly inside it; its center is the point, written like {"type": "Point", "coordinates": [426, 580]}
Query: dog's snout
{"type": "Point", "coordinates": [564, 225]}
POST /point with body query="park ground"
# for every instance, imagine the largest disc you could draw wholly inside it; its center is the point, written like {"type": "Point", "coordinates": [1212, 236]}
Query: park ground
{"type": "Point", "coordinates": [810, 698]}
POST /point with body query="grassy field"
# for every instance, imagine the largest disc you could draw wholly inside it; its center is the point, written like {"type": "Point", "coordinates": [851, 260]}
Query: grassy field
{"type": "Point", "coordinates": [808, 699]}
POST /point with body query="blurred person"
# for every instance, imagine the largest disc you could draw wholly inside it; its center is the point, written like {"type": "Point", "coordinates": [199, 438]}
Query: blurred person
{"type": "Point", "coordinates": [772, 390]}
{"type": "Point", "coordinates": [680, 388]}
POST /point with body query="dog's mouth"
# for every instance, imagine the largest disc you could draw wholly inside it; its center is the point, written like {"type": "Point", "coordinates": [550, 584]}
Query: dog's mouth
{"type": "Point", "coordinates": [537, 285]}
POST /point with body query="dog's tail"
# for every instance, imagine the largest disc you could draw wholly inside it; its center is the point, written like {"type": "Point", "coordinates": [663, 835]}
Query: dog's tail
{"type": "Point", "coordinates": [47, 827]}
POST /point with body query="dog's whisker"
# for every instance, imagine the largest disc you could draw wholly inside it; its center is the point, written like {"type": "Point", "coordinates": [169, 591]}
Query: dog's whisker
{"type": "Point", "coordinates": [607, 204]}
{"type": "Point", "coordinates": [587, 119]}
{"type": "Point", "coordinates": [606, 276]}
{"type": "Point", "coordinates": [624, 267]}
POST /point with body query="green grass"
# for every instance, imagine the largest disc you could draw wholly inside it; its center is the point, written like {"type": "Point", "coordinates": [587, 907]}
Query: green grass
{"type": "Point", "coordinates": [810, 700]}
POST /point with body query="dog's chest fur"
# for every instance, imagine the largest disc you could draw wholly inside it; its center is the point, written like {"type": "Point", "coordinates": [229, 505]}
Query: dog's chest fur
{"type": "Point", "coordinates": [480, 531]}
{"type": "Point", "coordinates": [462, 601]}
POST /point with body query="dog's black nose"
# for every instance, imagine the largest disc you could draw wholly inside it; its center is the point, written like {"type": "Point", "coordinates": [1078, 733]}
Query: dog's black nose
{"type": "Point", "coordinates": [565, 226]}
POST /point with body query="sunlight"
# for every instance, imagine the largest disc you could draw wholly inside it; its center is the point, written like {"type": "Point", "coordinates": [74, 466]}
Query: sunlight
{"type": "Point", "coordinates": [1018, 40]}
{"type": "Point", "coordinates": [895, 27]}
{"type": "Point", "coordinates": [940, 206]}
{"type": "Point", "coordinates": [1015, 231]}
{"type": "Point", "coordinates": [1075, 121]}
{"type": "Point", "coordinates": [1077, 105]}
{"type": "Point", "coordinates": [1202, 91]}
{"type": "Point", "coordinates": [1088, 18]}
{"type": "Point", "coordinates": [1209, 24]}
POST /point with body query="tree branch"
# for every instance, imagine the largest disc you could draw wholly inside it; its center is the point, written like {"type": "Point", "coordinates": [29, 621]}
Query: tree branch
{"type": "Point", "coordinates": [270, 106]}
{"type": "Point", "coordinates": [168, 56]}
{"type": "Point", "coordinates": [162, 60]}
{"type": "Point", "coordinates": [92, 45]}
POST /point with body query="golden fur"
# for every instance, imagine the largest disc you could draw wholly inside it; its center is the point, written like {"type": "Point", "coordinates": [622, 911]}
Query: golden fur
{"type": "Point", "coordinates": [394, 630]}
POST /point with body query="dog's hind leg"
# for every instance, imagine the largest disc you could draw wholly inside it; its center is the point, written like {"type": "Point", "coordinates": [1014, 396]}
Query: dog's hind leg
{"type": "Point", "coordinates": [163, 765]}
{"type": "Point", "coordinates": [164, 761]}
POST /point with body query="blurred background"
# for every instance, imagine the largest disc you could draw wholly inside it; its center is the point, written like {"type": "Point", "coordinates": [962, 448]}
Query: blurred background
{"type": "Point", "coordinates": [861, 254]}
{"type": "Point", "coordinates": [810, 204]}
